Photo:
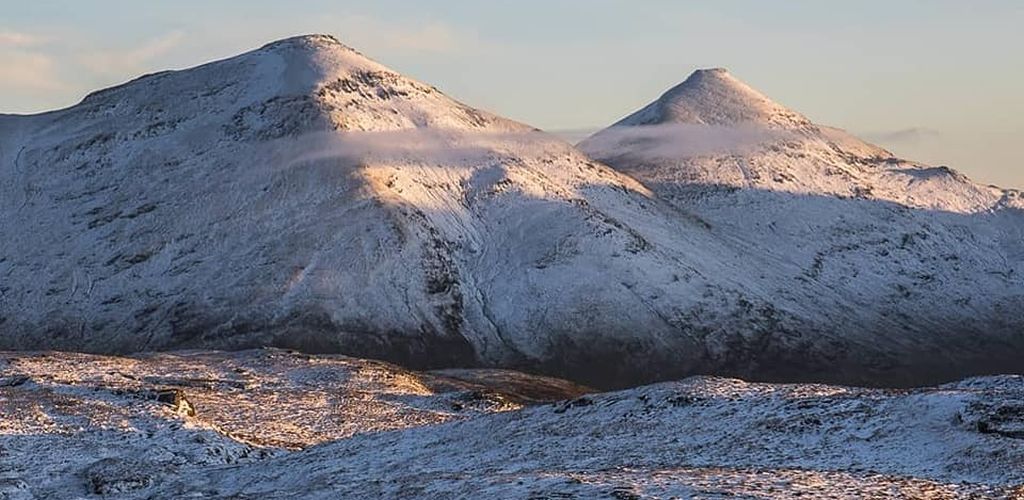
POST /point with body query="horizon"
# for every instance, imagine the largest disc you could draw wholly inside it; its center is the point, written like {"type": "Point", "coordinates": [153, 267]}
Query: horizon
{"type": "Point", "coordinates": [478, 55]}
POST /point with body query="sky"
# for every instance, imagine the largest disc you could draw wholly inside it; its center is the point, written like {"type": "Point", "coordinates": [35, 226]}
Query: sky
{"type": "Point", "coordinates": [938, 81]}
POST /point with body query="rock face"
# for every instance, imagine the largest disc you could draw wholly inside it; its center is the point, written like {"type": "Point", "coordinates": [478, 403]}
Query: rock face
{"type": "Point", "coordinates": [917, 268]}
{"type": "Point", "coordinates": [303, 196]}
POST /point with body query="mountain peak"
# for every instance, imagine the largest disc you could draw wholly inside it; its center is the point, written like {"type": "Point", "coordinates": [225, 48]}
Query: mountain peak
{"type": "Point", "coordinates": [713, 96]}
{"type": "Point", "coordinates": [289, 66]}
{"type": "Point", "coordinates": [311, 40]}
{"type": "Point", "coordinates": [297, 85]}
{"type": "Point", "coordinates": [710, 72]}
{"type": "Point", "coordinates": [324, 52]}
{"type": "Point", "coordinates": [313, 45]}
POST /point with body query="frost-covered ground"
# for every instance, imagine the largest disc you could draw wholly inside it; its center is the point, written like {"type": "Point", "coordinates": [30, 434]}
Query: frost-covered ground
{"type": "Point", "coordinates": [80, 425]}
{"type": "Point", "coordinates": [72, 423]}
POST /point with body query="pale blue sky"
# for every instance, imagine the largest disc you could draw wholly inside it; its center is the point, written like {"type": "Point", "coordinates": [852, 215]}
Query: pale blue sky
{"type": "Point", "coordinates": [935, 80]}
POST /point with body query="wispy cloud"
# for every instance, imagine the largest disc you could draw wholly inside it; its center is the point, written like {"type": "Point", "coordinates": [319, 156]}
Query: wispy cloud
{"type": "Point", "coordinates": [9, 39]}
{"type": "Point", "coordinates": [26, 69]}
{"type": "Point", "coordinates": [38, 71]}
{"type": "Point", "coordinates": [124, 62]}
{"type": "Point", "coordinates": [434, 37]}
{"type": "Point", "coordinates": [28, 73]}
{"type": "Point", "coordinates": [908, 135]}
{"type": "Point", "coordinates": [424, 146]}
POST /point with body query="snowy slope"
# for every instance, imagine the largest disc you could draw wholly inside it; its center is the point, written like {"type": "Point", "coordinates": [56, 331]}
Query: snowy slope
{"type": "Point", "coordinates": [698, 437]}
{"type": "Point", "coordinates": [912, 259]}
{"type": "Point", "coordinates": [763, 145]}
{"type": "Point", "coordinates": [301, 195]}
{"type": "Point", "coordinates": [75, 425]}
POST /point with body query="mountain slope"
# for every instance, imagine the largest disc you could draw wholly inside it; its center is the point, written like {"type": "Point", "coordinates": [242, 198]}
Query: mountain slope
{"type": "Point", "coordinates": [914, 259]}
{"type": "Point", "coordinates": [787, 152]}
{"type": "Point", "coordinates": [301, 195]}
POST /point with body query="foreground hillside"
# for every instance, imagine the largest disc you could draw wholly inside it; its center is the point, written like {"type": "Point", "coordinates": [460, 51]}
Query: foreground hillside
{"type": "Point", "coordinates": [76, 423]}
{"type": "Point", "coordinates": [81, 425]}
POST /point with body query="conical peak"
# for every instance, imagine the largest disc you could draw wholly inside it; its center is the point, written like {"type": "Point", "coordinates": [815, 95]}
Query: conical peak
{"type": "Point", "coordinates": [310, 46]}
{"type": "Point", "coordinates": [715, 81]}
{"type": "Point", "coordinates": [315, 40]}
{"type": "Point", "coordinates": [715, 97]}
{"type": "Point", "coordinates": [711, 73]}
{"type": "Point", "coordinates": [324, 51]}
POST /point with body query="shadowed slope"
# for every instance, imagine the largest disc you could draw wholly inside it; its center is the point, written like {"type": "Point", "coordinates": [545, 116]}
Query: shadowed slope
{"type": "Point", "coordinates": [915, 263]}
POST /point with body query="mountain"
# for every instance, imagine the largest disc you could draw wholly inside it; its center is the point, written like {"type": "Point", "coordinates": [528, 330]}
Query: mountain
{"type": "Point", "coordinates": [303, 196]}
{"type": "Point", "coordinates": [715, 97]}
{"type": "Point", "coordinates": [754, 142]}
{"type": "Point", "coordinates": [913, 259]}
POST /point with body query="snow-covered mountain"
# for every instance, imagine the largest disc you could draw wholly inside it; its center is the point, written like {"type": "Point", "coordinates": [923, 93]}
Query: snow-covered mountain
{"type": "Point", "coordinates": [713, 129]}
{"type": "Point", "coordinates": [908, 258]}
{"type": "Point", "coordinates": [301, 195]}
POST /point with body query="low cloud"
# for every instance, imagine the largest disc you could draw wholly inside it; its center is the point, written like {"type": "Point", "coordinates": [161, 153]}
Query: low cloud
{"type": "Point", "coordinates": [574, 135]}
{"type": "Point", "coordinates": [675, 141]}
{"type": "Point", "coordinates": [421, 146]}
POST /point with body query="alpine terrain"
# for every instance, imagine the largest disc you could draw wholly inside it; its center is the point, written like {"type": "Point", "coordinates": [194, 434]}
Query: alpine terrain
{"type": "Point", "coordinates": [914, 266]}
{"type": "Point", "coordinates": [276, 424]}
{"type": "Point", "coordinates": [196, 265]}
{"type": "Point", "coordinates": [303, 196]}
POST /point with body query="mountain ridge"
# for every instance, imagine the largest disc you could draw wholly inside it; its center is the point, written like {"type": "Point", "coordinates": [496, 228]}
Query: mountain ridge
{"type": "Point", "coordinates": [303, 196]}
{"type": "Point", "coordinates": [320, 201]}
{"type": "Point", "coordinates": [911, 248]}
